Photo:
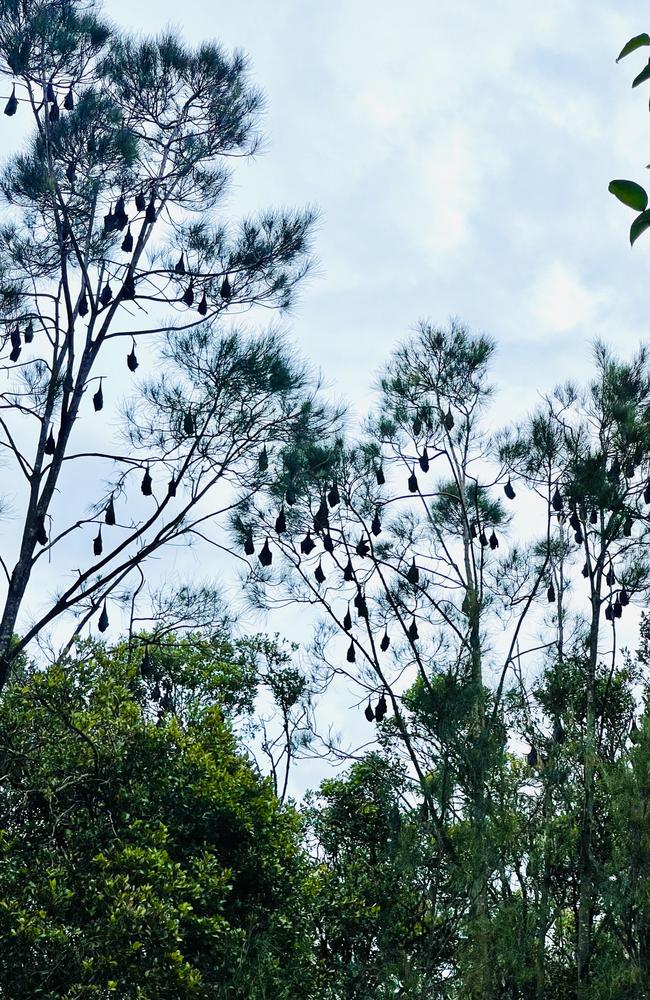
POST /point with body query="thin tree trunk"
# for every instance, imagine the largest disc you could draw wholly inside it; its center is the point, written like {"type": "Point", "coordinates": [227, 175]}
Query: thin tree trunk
{"type": "Point", "coordinates": [586, 874]}
{"type": "Point", "coordinates": [542, 919]}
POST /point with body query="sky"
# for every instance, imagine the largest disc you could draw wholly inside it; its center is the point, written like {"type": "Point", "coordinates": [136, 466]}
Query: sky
{"type": "Point", "coordinates": [459, 154]}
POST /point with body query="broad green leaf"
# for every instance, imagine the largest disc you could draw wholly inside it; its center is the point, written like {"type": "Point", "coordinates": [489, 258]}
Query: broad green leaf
{"type": "Point", "coordinates": [640, 224]}
{"type": "Point", "coordinates": [633, 44]}
{"type": "Point", "coordinates": [630, 194]}
{"type": "Point", "coordinates": [643, 75]}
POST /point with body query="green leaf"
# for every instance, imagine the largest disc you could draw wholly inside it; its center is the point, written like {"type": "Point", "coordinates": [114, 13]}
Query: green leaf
{"type": "Point", "coordinates": [630, 194]}
{"type": "Point", "coordinates": [643, 75]}
{"type": "Point", "coordinates": [633, 44]}
{"type": "Point", "coordinates": [640, 224]}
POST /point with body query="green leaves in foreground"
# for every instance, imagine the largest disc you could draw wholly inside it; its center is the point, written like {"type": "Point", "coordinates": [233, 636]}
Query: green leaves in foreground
{"type": "Point", "coordinates": [634, 196]}
{"type": "Point", "coordinates": [643, 76]}
{"type": "Point", "coordinates": [142, 855]}
{"type": "Point", "coordinates": [633, 44]}
{"type": "Point", "coordinates": [630, 194]}
{"type": "Point", "coordinates": [639, 226]}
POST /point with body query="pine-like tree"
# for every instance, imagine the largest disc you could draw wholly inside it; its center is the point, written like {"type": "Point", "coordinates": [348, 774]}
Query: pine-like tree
{"type": "Point", "coordinates": [442, 614]}
{"type": "Point", "coordinates": [408, 525]}
{"type": "Point", "coordinates": [110, 246]}
{"type": "Point", "coordinates": [589, 451]}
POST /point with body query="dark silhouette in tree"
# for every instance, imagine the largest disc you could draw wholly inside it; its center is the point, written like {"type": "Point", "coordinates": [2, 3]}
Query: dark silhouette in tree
{"type": "Point", "coordinates": [419, 557]}
{"type": "Point", "coordinates": [440, 579]}
{"type": "Point", "coordinates": [594, 444]}
{"type": "Point", "coordinates": [110, 238]}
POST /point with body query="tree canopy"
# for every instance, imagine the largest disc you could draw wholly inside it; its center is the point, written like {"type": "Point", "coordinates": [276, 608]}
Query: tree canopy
{"type": "Point", "coordinates": [142, 854]}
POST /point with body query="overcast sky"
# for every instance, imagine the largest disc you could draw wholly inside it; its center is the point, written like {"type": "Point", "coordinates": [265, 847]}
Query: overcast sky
{"type": "Point", "coordinates": [459, 153]}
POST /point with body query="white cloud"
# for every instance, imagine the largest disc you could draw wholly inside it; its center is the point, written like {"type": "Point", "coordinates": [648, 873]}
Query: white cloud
{"type": "Point", "coordinates": [447, 185]}
{"type": "Point", "coordinates": [560, 302]}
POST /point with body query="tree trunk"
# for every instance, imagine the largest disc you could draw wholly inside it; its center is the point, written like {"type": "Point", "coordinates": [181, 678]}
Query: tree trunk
{"type": "Point", "coordinates": [542, 917]}
{"type": "Point", "coordinates": [585, 863]}
{"type": "Point", "coordinates": [482, 985]}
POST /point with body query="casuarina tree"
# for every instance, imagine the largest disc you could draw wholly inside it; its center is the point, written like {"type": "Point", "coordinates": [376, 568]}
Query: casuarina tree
{"type": "Point", "coordinates": [591, 446]}
{"type": "Point", "coordinates": [398, 539]}
{"type": "Point", "coordinates": [111, 253]}
{"type": "Point", "coordinates": [434, 612]}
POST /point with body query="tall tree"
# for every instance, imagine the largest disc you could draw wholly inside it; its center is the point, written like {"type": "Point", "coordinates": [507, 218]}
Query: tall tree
{"type": "Point", "coordinates": [593, 446]}
{"type": "Point", "coordinates": [397, 539]}
{"type": "Point", "coordinates": [111, 242]}
{"type": "Point", "coordinates": [385, 918]}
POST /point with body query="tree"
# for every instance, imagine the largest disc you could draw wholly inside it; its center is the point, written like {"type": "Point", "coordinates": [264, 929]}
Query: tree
{"type": "Point", "coordinates": [594, 446]}
{"type": "Point", "coordinates": [402, 541]}
{"type": "Point", "coordinates": [110, 217]}
{"type": "Point", "coordinates": [384, 917]}
{"type": "Point", "coordinates": [393, 917]}
{"type": "Point", "coordinates": [396, 538]}
{"type": "Point", "coordinates": [141, 853]}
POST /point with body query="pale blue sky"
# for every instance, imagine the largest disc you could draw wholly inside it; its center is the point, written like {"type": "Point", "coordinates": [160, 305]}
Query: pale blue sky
{"type": "Point", "coordinates": [459, 152]}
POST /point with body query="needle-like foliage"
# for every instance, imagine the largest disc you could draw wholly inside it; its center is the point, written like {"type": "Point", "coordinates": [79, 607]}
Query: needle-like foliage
{"type": "Point", "coordinates": [110, 239]}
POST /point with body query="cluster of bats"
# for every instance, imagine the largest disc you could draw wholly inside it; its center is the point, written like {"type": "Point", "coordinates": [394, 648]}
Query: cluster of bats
{"type": "Point", "coordinates": [321, 528]}
{"type": "Point", "coordinates": [116, 219]}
